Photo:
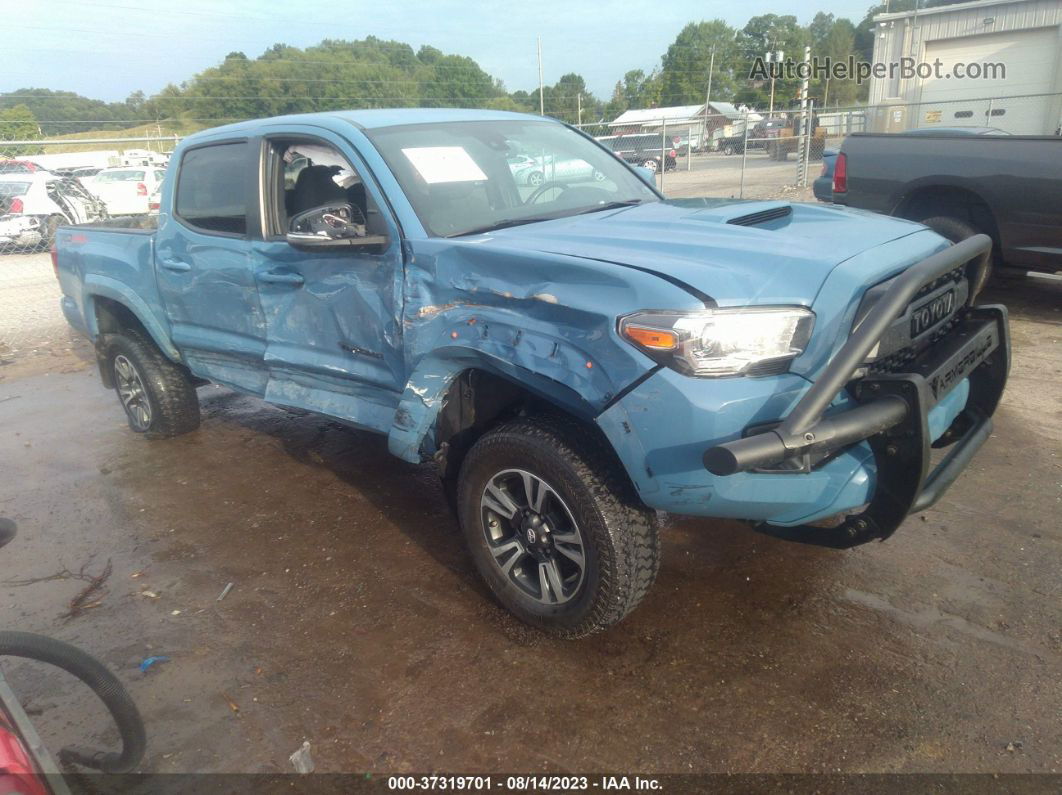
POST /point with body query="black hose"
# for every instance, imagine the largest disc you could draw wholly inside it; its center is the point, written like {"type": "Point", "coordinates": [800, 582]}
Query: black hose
{"type": "Point", "coordinates": [103, 683]}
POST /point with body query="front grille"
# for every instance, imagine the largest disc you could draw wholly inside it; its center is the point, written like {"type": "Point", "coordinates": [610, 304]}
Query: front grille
{"type": "Point", "coordinates": [896, 350]}
{"type": "Point", "coordinates": [900, 361]}
{"type": "Point", "coordinates": [956, 275]}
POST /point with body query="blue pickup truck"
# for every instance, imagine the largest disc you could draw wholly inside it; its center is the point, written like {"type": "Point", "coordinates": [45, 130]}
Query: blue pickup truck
{"type": "Point", "coordinates": [573, 356]}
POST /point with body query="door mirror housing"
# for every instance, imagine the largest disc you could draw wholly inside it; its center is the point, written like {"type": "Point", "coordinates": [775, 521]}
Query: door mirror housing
{"type": "Point", "coordinates": [337, 225]}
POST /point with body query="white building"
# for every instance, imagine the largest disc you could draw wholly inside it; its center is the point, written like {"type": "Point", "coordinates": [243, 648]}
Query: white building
{"type": "Point", "coordinates": [687, 121]}
{"type": "Point", "coordinates": [1024, 98]}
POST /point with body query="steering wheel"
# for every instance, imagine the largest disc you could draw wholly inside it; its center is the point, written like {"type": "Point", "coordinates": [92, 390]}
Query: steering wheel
{"type": "Point", "coordinates": [543, 188]}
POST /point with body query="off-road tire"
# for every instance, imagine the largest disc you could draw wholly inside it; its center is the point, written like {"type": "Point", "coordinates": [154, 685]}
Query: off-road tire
{"type": "Point", "coordinates": [48, 231]}
{"type": "Point", "coordinates": [169, 389]}
{"type": "Point", "coordinates": [954, 229]}
{"type": "Point", "coordinates": [621, 538]}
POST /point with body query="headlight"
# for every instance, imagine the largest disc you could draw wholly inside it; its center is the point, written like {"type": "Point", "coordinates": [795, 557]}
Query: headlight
{"type": "Point", "coordinates": [720, 342]}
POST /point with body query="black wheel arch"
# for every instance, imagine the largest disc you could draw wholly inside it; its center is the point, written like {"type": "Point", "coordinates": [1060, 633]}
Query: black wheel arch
{"type": "Point", "coordinates": [479, 400]}
{"type": "Point", "coordinates": [113, 317]}
{"type": "Point", "coordinates": [955, 201]}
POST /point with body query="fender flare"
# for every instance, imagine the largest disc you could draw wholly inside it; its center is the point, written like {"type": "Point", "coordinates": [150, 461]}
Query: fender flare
{"type": "Point", "coordinates": [106, 287]}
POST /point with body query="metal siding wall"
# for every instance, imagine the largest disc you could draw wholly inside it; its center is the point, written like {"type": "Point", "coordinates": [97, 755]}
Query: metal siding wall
{"type": "Point", "coordinates": [954, 24]}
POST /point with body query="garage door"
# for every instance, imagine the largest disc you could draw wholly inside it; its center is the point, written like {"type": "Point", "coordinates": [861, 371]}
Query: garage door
{"type": "Point", "coordinates": [1031, 59]}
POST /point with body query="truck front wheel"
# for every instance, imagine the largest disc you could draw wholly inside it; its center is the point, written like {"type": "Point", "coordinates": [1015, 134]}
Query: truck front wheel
{"type": "Point", "coordinates": [555, 527]}
{"type": "Point", "coordinates": [158, 397]}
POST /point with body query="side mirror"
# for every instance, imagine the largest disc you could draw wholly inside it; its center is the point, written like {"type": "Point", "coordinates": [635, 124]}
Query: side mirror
{"type": "Point", "coordinates": [647, 174]}
{"type": "Point", "coordinates": [332, 226]}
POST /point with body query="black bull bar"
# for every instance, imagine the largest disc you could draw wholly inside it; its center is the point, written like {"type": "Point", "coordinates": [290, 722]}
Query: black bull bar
{"type": "Point", "coordinates": [892, 408]}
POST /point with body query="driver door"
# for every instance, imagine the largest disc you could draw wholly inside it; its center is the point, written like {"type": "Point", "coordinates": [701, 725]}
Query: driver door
{"type": "Point", "coordinates": [333, 331]}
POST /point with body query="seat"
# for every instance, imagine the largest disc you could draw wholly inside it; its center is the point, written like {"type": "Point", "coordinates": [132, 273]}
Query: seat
{"type": "Point", "coordinates": [315, 187]}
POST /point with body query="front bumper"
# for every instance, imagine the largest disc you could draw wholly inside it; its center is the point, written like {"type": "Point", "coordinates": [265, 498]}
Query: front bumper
{"type": "Point", "coordinates": [892, 411]}
{"type": "Point", "coordinates": [844, 443]}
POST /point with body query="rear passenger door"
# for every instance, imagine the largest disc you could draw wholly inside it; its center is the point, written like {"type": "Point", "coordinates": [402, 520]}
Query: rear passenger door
{"type": "Point", "coordinates": [203, 263]}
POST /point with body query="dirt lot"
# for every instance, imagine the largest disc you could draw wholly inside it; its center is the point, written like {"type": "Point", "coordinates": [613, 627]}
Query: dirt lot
{"type": "Point", "coordinates": [356, 621]}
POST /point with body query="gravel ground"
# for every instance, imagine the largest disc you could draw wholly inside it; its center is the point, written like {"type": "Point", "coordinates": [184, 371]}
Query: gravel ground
{"type": "Point", "coordinates": [356, 620]}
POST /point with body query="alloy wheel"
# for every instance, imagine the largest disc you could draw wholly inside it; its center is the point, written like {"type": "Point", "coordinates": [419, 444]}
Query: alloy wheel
{"type": "Point", "coordinates": [132, 393]}
{"type": "Point", "coordinates": [533, 537]}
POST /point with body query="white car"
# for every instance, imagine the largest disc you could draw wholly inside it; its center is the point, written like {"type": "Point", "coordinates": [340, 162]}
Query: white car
{"type": "Point", "coordinates": [535, 171]}
{"type": "Point", "coordinates": [34, 205]}
{"type": "Point", "coordinates": [124, 190]}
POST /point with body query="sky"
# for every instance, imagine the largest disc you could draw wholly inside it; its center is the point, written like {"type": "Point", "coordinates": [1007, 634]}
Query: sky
{"type": "Point", "coordinates": [110, 48]}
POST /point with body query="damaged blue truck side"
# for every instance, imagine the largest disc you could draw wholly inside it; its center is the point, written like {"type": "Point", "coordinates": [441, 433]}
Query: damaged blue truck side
{"type": "Point", "coordinates": [573, 355]}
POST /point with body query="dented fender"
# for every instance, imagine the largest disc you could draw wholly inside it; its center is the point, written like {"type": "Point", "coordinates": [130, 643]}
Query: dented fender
{"type": "Point", "coordinates": [544, 321]}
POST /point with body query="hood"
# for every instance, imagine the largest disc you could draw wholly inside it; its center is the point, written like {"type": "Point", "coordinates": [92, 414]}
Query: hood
{"type": "Point", "coordinates": [734, 252]}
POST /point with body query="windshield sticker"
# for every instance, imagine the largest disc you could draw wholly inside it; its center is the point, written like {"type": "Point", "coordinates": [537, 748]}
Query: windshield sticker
{"type": "Point", "coordinates": [444, 164]}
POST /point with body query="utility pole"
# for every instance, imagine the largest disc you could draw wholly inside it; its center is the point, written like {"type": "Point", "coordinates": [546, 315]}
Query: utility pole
{"type": "Point", "coordinates": [805, 122]}
{"type": "Point", "coordinates": [541, 90]}
{"type": "Point", "coordinates": [707, 99]}
{"type": "Point", "coordinates": [773, 58]}
{"type": "Point", "coordinates": [579, 108]}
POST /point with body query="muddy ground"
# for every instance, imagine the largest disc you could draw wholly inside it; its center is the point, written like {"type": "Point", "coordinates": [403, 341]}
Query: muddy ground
{"type": "Point", "coordinates": [356, 620]}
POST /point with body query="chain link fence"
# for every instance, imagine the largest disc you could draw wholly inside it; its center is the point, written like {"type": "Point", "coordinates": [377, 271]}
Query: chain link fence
{"type": "Point", "coordinates": [747, 154]}
{"type": "Point", "coordinates": [44, 184]}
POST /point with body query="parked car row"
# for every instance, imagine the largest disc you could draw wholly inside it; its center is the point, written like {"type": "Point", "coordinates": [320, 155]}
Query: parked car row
{"type": "Point", "coordinates": [34, 204]}
{"type": "Point", "coordinates": [125, 191]}
{"type": "Point", "coordinates": [647, 151]}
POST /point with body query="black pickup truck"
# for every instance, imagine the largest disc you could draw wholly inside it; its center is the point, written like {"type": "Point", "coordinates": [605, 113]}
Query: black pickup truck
{"type": "Point", "coordinates": [1008, 187]}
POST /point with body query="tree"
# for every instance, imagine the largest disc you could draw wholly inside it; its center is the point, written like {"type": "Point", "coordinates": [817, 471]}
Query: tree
{"type": "Point", "coordinates": [685, 65]}
{"type": "Point", "coordinates": [771, 33]}
{"type": "Point", "coordinates": [564, 99]}
{"type": "Point", "coordinates": [59, 112]}
{"type": "Point", "coordinates": [17, 124]}
{"type": "Point", "coordinates": [838, 45]}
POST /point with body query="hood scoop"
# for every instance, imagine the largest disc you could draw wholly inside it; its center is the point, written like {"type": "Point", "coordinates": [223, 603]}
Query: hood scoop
{"type": "Point", "coordinates": [763, 216]}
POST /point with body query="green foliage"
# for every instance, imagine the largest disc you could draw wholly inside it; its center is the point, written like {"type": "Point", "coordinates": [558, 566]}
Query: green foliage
{"type": "Point", "coordinates": [684, 76]}
{"type": "Point", "coordinates": [772, 33]}
{"type": "Point", "coordinates": [335, 74]}
{"type": "Point", "coordinates": [60, 112]}
{"type": "Point", "coordinates": [17, 123]}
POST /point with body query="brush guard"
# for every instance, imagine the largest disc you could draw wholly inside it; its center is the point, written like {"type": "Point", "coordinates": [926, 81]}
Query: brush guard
{"type": "Point", "coordinates": [892, 409]}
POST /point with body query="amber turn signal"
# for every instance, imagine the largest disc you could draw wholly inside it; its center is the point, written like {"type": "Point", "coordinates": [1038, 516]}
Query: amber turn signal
{"type": "Point", "coordinates": [657, 339]}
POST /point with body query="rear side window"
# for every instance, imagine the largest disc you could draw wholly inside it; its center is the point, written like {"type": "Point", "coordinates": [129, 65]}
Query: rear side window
{"type": "Point", "coordinates": [212, 188]}
{"type": "Point", "coordinates": [121, 176]}
{"type": "Point", "coordinates": [13, 188]}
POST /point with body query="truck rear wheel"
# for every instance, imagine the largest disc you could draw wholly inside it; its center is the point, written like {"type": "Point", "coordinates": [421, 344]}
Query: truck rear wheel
{"type": "Point", "coordinates": [158, 397]}
{"type": "Point", "coordinates": [555, 527]}
{"type": "Point", "coordinates": [956, 230]}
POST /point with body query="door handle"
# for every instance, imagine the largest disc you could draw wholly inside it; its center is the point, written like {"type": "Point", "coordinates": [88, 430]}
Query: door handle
{"type": "Point", "coordinates": [174, 265]}
{"type": "Point", "coordinates": [281, 277]}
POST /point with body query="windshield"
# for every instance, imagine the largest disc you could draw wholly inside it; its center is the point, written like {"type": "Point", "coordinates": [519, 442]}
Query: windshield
{"type": "Point", "coordinates": [469, 177]}
{"type": "Point", "coordinates": [120, 176]}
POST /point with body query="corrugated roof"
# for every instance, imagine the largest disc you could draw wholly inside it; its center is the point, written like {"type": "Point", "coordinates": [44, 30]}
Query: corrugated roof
{"type": "Point", "coordinates": [656, 114]}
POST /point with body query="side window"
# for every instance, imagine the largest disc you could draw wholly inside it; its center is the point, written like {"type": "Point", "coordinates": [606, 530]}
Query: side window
{"type": "Point", "coordinates": [308, 176]}
{"type": "Point", "coordinates": [212, 188]}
